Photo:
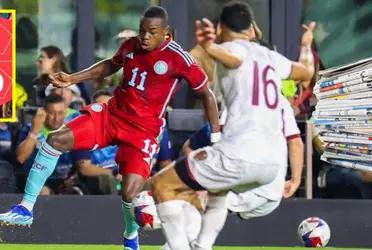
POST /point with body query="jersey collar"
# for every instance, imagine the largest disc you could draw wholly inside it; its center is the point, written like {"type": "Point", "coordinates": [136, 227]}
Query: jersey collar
{"type": "Point", "coordinates": [164, 44]}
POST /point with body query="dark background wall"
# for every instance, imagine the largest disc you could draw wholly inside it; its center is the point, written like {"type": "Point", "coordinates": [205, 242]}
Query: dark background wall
{"type": "Point", "coordinates": [97, 219]}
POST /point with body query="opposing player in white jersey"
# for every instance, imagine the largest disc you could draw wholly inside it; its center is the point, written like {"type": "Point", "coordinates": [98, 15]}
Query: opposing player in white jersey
{"type": "Point", "coordinates": [252, 147]}
{"type": "Point", "coordinates": [265, 199]}
{"type": "Point", "coordinates": [260, 201]}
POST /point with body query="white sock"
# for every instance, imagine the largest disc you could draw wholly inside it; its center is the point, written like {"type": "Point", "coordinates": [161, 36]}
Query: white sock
{"type": "Point", "coordinates": [171, 214]}
{"type": "Point", "coordinates": [193, 225]}
{"type": "Point", "coordinates": [213, 221]}
{"type": "Point", "coordinates": [27, 204]}
{"type": "Point", "coordinates": [193, 221]}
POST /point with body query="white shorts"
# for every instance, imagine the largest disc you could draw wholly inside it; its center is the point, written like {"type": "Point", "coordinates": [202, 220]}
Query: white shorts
{"type": "Point", "coordinates": [219, 173]}
{"type": "Point", "coordinates": [250, 205]}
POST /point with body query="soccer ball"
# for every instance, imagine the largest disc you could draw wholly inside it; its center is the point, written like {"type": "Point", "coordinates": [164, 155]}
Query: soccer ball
{"type": "Point", "coordinates": [145, 211]}
{"type": "Point", "coordinates": [314, 232]}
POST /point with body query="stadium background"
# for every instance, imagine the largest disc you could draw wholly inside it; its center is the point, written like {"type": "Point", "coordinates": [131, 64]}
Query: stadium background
{"type": "Point", "coordinates": [342, 26]}
{"type": "Point", "coordinates": [55, 20]}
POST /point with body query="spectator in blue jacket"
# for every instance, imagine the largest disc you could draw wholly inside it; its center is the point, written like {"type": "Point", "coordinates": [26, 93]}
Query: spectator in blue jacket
{"type": "Point", "coordinates": [46, 120]}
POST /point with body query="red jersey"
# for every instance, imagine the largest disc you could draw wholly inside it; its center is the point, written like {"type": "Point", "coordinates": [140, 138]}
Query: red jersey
{"type": "Point", "coordinates": [149, 80]}
{"type": "Point", "coordinates": [5, 60]}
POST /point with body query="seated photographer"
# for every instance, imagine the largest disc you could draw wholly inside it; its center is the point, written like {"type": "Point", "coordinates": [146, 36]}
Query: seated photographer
{"type": "Point", "coordinates": [46, 120]}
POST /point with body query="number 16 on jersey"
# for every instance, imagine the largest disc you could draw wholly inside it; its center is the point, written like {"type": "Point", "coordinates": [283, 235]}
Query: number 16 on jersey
{"type": "Point", "coordinates": [267, 85]}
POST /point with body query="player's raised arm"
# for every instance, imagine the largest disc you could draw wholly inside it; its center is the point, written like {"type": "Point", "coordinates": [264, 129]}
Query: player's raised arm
{"type": "Point", "coordinates": [304, 69]}
{"type": "Point", "coordinates": [99, 70]}
{"type": "Point", "coordinates": [205, 36]}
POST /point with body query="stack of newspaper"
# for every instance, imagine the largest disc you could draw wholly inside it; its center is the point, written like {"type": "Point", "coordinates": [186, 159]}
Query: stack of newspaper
{"type": "Point", "coordinates": [343, 114]}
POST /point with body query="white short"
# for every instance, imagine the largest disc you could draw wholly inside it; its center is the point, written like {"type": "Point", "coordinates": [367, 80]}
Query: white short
{"type": "Point", "coordinates": [219, 173]}
{"type": "Point", "coordinates": [250, 205]}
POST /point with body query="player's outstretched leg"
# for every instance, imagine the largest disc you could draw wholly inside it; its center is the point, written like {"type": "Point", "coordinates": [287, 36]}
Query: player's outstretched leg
{"type": "Point", "coordinates": [193, 219]}
{"type": "Point", "coordinates": [132, 185]}
{"type": "Point", "coordinates": [44, 165]}
{"type": "Point", "coordinates": [173, 196]}
{"type": "Point", "coordinates": [213, 221]}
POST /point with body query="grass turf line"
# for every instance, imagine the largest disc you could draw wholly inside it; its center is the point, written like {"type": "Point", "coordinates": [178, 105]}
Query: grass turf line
{"type": "Point", "coordinates": [118, 247]}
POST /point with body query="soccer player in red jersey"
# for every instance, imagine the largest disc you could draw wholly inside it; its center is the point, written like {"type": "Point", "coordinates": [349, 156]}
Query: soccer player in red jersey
{"type": "Point", "coordinates": [133, 119]}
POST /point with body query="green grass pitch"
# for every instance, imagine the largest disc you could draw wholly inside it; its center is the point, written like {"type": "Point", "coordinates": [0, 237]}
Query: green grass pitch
{"type": "Point", "coordinates": [118, 247]}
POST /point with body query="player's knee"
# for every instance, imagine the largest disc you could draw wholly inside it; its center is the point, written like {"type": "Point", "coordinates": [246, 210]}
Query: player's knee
{"type": "Point", "coordinates": [54, 141]}
{"type": "Point", "coordinates": [261, 211]}
{"type": "Point", "coordinates": [156, 187]}
{"type": "Point", "coordinates": [132, 185]}
{"type": "Point", "coordinates": [60, 141]}
{"type": "Point", "coordinates": [196, 201]}
{"type": "Point", "coordinates": [129, 194]}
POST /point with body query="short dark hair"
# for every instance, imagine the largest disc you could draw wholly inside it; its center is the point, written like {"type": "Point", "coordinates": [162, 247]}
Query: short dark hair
{"type": "Point", "coordinates": [237, 15]}
{"type": "Point", "coordinates": [53, 99]}
{"type": "Point", "coordinates": [101, 92]}
{"type": "Point", "coordinates": [156, 11]}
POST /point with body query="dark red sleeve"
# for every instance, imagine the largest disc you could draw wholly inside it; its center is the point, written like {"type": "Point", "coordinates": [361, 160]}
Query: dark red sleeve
{"type": "Point", "coordinates": [291, 137]}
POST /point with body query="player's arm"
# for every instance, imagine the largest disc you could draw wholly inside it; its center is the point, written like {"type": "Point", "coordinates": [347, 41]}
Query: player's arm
{"type": "Point", "coordinates": [296, 162]}
{"type": "Point", "coordinates": [96, 71]}
{"type": "Point", "coordinates": [306, 55]}
{"type": "Point", "coordinates": [299, 72]}
{"type": "Point", "coordinates": [199, 139]}
{"type": "Point", "coordinates": [287, 69]}
{"type": "Point", "coordinates": [224, 56]}
{"type": "Point", "coordinates": [83, 161]}
{"type": "Point", "coordinates": [186, 148]}
{"type": "Point", "coordinates": [87, 168]}
{"type": "Point", "coordinates": [25, 149]}
{"type": "Point", "coordinates": [211, 110]}
{"type": "Point", "coordinates": [99, 70]}
{"type": "Point", "coordinates": [295, 148]}
{"type": "Point", "coordinates": [205, 37]}
{"type": "Point", "coordinates": [304, 69]}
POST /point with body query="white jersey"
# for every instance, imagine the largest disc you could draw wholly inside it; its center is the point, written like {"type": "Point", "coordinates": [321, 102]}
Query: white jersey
{"type": "Point", "coordinates": [264, 199]}
{"type": "Point", "coordinates": [253, 130]}
{"type": "Point", "coordinates": [274, 190]}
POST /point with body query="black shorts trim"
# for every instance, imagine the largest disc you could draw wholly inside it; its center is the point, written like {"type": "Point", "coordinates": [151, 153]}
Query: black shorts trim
{"type": "Point", "coordinates": [183, 171]}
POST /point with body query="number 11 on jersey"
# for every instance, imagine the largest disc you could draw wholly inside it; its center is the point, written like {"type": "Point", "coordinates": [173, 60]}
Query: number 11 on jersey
{"type": "Point", "coordinates": [141, 85]}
